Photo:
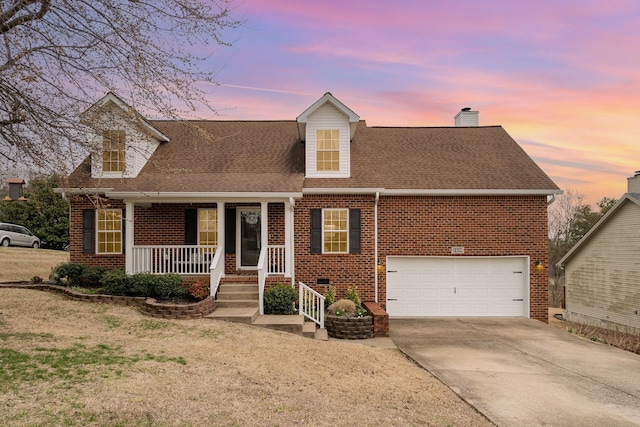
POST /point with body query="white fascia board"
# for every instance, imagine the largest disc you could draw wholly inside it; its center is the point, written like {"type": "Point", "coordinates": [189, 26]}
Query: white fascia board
{"type": "Point", "coordinates": [200, 197]}
{"type": "Point", "coordinates": [62, 190]}
{"type": "Point", "coordinates": [429, 192]}
{"type": "Point", "coordinates": [327, 97]}
{"type": "Point", "coordinates": [311, 191]}
{"type": "Point", "coordinates": [467, 192]}
{"type": "Point", "coordinates": [113, 98]}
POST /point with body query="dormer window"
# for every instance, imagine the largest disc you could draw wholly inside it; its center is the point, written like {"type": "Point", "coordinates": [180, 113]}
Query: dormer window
{"type": "Point", "coordinates": [327, 150]}
{"type": "Point", "coordinates": [113, 150]}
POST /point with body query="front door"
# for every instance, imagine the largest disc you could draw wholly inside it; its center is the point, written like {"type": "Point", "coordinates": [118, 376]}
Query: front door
{"type": "Point", "coordinates": [248, 236]}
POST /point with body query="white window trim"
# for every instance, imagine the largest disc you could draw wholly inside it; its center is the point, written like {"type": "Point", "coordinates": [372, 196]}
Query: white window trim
{"type": "Point", "coordinates": [217, 229]}
{"type": "Point", "coordinates": [346, 231]}
{"type": "Point", "coordinates": [98, 232]}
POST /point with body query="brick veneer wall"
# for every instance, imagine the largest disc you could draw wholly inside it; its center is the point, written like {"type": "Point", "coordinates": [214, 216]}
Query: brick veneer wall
{"type": "Point", "coordinates": [76, 206]}
{"type": "Point", "coordinates": [341, 270]}
{"type": "Point", "coordinates": [483, 225]}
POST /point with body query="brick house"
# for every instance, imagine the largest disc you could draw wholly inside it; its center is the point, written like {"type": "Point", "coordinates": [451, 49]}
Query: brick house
{"type": "Point", "coordinates": [426, 221]}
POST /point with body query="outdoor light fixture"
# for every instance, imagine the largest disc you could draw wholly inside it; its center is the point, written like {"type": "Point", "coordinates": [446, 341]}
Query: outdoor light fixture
{"type": "Point", "coordinates": [539, 265]}
{"type": "Point", "coordinates": [380, 267]}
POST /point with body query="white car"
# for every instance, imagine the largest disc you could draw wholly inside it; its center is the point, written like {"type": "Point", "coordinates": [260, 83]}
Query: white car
{"type": "Point", "coordinates": [17, 235]}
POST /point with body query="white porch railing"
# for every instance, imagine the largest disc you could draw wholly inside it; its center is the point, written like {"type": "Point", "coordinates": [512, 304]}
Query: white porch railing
{"type": "Point", "coordinates": [277, 260]}
{"type": "Point", "coordinates": [262, 276]}
{"type": "Point", "coordinates": [180, 259]}
{"type": "Point", "coordinates": [216, 271]}
{"type": "Point", "coordinates": [311, 304]}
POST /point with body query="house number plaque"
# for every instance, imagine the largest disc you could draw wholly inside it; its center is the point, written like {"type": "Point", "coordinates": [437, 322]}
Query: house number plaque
{"type": "Point", "coordinates": [457, 249]}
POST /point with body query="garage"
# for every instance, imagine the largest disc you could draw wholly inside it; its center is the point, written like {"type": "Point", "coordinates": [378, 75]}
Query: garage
{"type": "Point", "coordinates": [457, 286]}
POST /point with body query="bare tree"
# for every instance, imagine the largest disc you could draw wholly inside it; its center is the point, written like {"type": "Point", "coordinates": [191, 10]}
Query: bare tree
{"type": "Point", "coordinates": [570, 218]}
{"type": "Point", "coordinates": [59, 56]}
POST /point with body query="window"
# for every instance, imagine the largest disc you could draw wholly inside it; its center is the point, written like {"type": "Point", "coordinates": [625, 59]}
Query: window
{"type": "Point", "coordinates": [113, 158]}
{"type": "Point", "coordinates": [109, 231]}
{"type": "Point", "coordinates": [207, 227]}
{"type": "Point", "coordinates": [335, 230]}
{"type": "Point", "coordinates": [327, 150]}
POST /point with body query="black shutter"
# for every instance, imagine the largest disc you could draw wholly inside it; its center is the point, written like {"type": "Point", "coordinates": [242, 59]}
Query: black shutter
{"type": "Point", "coordinates": [88, 231]}
{"type": "Point", "coordinates": [354, 231]}
{"type": "Point", "coordinates": [230, 231]}
{"type": "Point", "coordinates": [123, 243]}
{"type": "Point", "coordinates": [190, 226]}
{"type": "Point", "coordinates": [316, 231]}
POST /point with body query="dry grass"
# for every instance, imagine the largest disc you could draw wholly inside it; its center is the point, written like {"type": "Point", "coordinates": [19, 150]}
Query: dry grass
{"type": "Point", "coordinates": [71, 363]}
{"type": "Point", "coordinates": [623, 339]}
{"type": "Point", "coordinates": [22, 264]}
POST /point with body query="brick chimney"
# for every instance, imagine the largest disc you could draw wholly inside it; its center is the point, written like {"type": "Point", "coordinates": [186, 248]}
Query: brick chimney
{"type": "Point", "coordinates": [466, 117]}
{"type": "Point", "coordinates": [634, 183]}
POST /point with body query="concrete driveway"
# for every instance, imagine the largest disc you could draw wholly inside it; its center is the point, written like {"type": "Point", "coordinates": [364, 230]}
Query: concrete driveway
{"type": "Point", "coordinates": [522, 372]}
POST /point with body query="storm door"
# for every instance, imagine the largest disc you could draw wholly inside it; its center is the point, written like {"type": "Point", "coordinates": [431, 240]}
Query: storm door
{"type": "Point", "coordinates": [248, 235]}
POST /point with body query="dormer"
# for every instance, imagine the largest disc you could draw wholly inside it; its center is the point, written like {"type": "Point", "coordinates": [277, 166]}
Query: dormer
{"type": "Point", "coordinates": [123, 140]}
{"type": "Point", "coordinates": [327, 128]}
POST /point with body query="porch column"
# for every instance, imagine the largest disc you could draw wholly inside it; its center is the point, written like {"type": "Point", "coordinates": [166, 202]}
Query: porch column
{"type": "Point", "coordinates": [288, 239]}
{"type": "Point", "coordinates": [264, 217]}
{"type": "Point", "coordinates": [128, 237]}
{"type": "Point", "coordinates": [221, 236]}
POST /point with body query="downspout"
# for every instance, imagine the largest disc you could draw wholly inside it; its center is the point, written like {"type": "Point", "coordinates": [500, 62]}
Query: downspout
{"type": "Point", "coordinates": [375, 234]}
{"type": "Point", "coordinates": [292, 205]}
{"type": "Point", "coordinates": [550, 201]}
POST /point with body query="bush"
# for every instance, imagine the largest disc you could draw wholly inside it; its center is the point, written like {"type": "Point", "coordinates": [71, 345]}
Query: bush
{"type": "Point", "coordinates": [163, 286]}
{"type": "Point", "coordinates": [198, 290]}
{"type": "Point", "coordinates": [116, 282]}
{"type": "Point", "coordinates": [68, 274]}
{"type": "Point", "coordinates": [329, 296]}
{"type": "Point", "coordinates": [342, 307]}
{"type": "Point", "coordinates": [91, 276]}
{"type": "Point", "coordinates": [279, 299]}
{"type": "Point", "coordinates": [353, 295]}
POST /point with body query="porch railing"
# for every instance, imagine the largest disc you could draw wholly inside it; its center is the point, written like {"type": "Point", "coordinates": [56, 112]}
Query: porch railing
{"type": "Point", "coordinates": [180, 259]}
{"type": "Point", "coordinates": [277, 260]}
{"type": "Point", "coordinates": [311, 304]}
{"type": "Point", "coordinates": [263, 272]}
{"type": "Point", "coordinates": [216, 271]}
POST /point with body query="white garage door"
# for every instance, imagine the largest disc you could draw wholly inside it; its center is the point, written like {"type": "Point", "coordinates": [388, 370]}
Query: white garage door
{"type": "Point", "coordinates": [457, 286]}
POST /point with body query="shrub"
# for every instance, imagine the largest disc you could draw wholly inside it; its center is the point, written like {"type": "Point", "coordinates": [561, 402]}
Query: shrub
{"type": "Point", "coordinates": [353, 295]}
{"type": "Point", "coordinates": [91, 276]}
{"type": "Point", "coordinates": [329, 296]}
{"type": "Point", "coordinates": [68, 274]}
{"type": "Point", "coordinates": [116, 282]}
{"type": "Point", "coordinates": [162, 286]}
{"type": "Point", "coordinates": [342, 307]}
{"type": "Point", "coordinates": [198, 290]}
{"type": "Point", "coordinates": [279, 299]}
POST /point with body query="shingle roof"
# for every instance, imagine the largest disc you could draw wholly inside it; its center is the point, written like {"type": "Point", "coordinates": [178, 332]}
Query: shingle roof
{"type": "Point", "coordinates": [266, 156]}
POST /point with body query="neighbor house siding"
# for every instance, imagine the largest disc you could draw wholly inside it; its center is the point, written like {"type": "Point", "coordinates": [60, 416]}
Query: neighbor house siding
{"type": "Point", "coordinates": [483, 225]}
{"type": "Point", "coordinates": [603, 277]}
{"type": "Point", "coordinates": [327, 117]}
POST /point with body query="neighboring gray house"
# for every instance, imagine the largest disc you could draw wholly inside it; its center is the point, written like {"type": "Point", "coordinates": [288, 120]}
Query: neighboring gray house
{"type": "Point", "coordinates": [602, 271]}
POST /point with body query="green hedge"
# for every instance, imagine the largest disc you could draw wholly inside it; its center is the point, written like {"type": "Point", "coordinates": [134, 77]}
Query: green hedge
{"type": "Point", "coordinates": [280, 299]}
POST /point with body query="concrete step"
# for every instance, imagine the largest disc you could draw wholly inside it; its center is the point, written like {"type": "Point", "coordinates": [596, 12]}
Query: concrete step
{"type": "Point", "coordinates": [240, 278]}
{"type": "Point", "coordinates": [233, 314]}
{"type": "Point", "coordinates": [238, 287]}
{"type": "Point", "coordinates": [239, 303]}
{"type": "Point", "coordinates": [287, 323]}
{"type": "Point", "coordinates": [224, 295]}
{"type": "Point", "coordinates": [321, 334]}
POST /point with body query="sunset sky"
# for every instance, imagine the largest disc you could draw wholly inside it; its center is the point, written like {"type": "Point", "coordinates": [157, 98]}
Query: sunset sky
{"type": "Point", "coordinates": [562, 77]}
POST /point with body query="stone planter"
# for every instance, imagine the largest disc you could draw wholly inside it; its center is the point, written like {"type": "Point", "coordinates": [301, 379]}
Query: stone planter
{"type": "Point", "coordinates": [349, 328]}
